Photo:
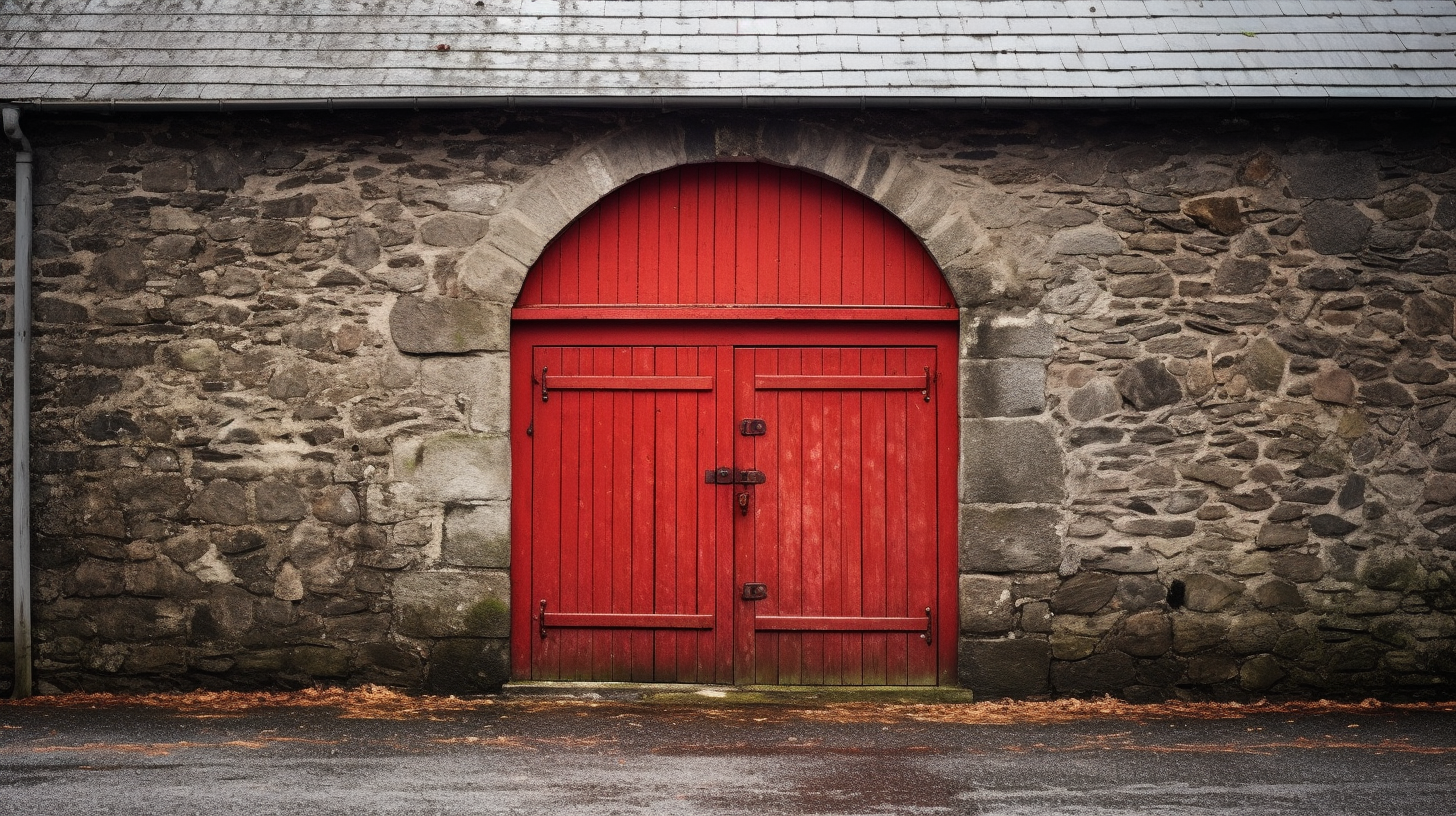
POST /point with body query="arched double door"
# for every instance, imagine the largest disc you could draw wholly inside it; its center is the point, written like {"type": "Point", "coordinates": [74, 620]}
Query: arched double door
{"type": "Point", "coordinates": [734, 440]}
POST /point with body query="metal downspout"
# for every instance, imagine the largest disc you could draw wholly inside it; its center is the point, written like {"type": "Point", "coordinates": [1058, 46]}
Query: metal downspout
{"type": "Point", "coordinates": [20, 450]}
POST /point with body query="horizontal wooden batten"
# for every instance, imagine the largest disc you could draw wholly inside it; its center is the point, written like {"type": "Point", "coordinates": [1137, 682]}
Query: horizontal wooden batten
{"type": "Point", "coordinates": [628, 383]}
{"type": "Point", "coordinates": [938, 313]}
{"type": "Point", "coordinates": [800, 623]}
{"type": "Point", "coordinates": [588, 620]}
{"type": "Point", "coordinates": [830, 382]}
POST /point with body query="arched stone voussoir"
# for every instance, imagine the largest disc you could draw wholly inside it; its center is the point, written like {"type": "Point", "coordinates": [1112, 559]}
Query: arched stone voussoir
{"type": "Point", "coordinates": [636, 152]}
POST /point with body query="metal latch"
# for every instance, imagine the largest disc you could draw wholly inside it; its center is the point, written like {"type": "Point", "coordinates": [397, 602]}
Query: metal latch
{"type": "Point", "coordinates": [730, 476]}
{"type": "Point", "coordinates": [753, 427]}
{"type": "Point", "coordinates": [755, 592]}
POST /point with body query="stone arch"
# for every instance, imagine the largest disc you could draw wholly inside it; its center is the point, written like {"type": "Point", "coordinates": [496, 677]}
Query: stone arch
{"type": "Point", "coordinates": [1011, 483]}
{"type": "Point", "coordinates": [495, 268]}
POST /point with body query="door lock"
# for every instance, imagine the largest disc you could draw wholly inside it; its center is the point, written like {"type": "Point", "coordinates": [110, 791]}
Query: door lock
{"type": "Point", "coordinates": [731, 476]}
{"type": "Point", "coordinates": [755, 592]}
{"type": "Point", "coordinates": [743, 502]}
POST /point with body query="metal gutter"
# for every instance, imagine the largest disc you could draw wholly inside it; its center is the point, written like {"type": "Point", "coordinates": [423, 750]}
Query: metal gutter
{"type": "Point", "coordinates": [986, 103]}
{"type": "Point", "coordinates": [20, 450]}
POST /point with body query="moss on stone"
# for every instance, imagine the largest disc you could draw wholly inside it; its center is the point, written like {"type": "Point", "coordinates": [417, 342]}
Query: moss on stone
{"type": "Point", "coordinates": [488, 616]}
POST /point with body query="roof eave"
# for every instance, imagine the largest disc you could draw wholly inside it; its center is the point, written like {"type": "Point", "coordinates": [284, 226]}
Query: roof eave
{"type": "Point", "coordinates": [680, 102]}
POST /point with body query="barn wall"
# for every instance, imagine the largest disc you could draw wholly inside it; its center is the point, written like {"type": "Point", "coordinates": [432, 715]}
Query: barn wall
{"type": "Point", "coordinates": [1205, 387]}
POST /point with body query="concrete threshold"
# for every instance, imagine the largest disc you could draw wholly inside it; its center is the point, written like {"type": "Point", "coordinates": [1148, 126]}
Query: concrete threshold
{"type": "Point", "coordinates": [694, 694]}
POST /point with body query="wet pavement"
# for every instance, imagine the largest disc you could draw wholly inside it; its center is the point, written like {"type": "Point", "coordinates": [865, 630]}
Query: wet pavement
{"type": "Point", "coordinates": [533, 756]}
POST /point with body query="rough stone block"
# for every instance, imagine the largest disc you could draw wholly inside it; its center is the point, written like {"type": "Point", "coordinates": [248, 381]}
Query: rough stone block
{"type": "Point", "coordinates": [736, 138]}
{"type": "Point", "coordinates": [452, 229]}
{"type": "Point", "coordinates": [1084, 593]}
{"type": "Point", "coordinates": [513, 234]}
{"type": "Point", "coordinates": [640, 151]}
{"type": "Point", "coordinates": [1002, 388]}
{"type": "Point", "coordinates": [1145, 634]}
{"type": "Point", "coordinates": [1335, 229]}
{"type": "Point", "coordinates": [278, 501]}
{"type": "Point", "coordinates": [1148, 385]}
{"type": "Point", "coordinates": [491, 273]}
{"type": "Point", "coordinates": [1142, 286]}
{"type": "Point", "coordinates": [478, 536]}
{"type": "Point", "coordinates": [221, 502]}
{"type": "Point", "coordinates": [986, 604]}
{"type": "Point", "coordinates": [1336, 175]}
{"type": "Point", "coordinates": [337, 504]}
{"type": "Point", "coordinates": [1210, 593]}
{"type": "Point", "coordinates": [468, 666]}
{"type": "Point", "coordinates": [579, 185]}
{"type": "Point", "coordinates": [457, 467]}
{"type": "Point", "coordinates": [1218, 213]}
{"type": "Point", "coordinates": [544, 210]}
{"type": "Point", "coordinates": [930, 206]}
{"type": "Point", "coordinates": [453, 604]}
{"type": "Point", "coordinates": [953, 236]}
{"type": "Point", "coordinates": [481, 198]}
{"type": "Point", "coordinates": [1101, 673]}
{"type": "Point", "coordinates": [832, 153]}
{"type": "Point", "coordinates": [482, 380]}
{"type": "Point", "coordinates": [1196, 632]}
{"type": "Point", "coordinates": [994, 336]}
{"type": "Point", "coordinates": [1094, 400]}
{"type": "Point", "coordinates": [1154, 526]}
{"type": "Point", "coordinates": [1088, 240]}
{"type": "Point", "coordinates": [993, 669]}
{"type": "Point", "coordinates": [421, 325]}
{"type": "Point", "coordinates": [1010, 461]}
{"type": "Point", "coordinates": [1264, 364]}
{"type": "Point", "coordinates": [1009, 539]}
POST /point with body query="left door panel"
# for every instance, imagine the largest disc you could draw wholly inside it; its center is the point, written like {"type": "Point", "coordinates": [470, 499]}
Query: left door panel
{"type": "Point", "coordinates": [625, 544]}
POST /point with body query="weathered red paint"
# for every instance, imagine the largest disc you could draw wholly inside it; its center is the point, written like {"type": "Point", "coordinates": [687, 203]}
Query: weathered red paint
{"type": "Point", "coordinates": [639, 558]}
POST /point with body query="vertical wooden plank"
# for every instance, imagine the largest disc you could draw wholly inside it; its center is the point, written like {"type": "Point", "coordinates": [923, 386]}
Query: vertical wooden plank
{"type": "Point", "coordinates": [897, 567]}
{"type": "Point", "coordinates": [922, 514]}
{"type": "Point", "coordinates": [874, 500]}
{"type": "Point", "coordinates": [649, 269]}
{"type": "Point", "coordinates": [812, 269]}
{"type": "Point", "coordinates": [706, 246]}
{"type": "Point", "coordinates": [725, 239]}
{"type": "Point", "coordinates": [617, 485]}
{"type": "Point", "coordinates": [543, 561]}
{"type": "Point", "coordinates": [786, 284]}
{"type": "Point", "coordinates": [665, 527]}
{"type": "Point", "coordinates": [575, 532]}
{"type": "Point", "coordinates": [669, 238]}
{"type": "Point", "coordinates": [831, 531]}
{"type": "Point", "coordinates": [746, 226]}
{"type": "Point", "coordinates": [851, 509]}
{"type": "Point", "coordinates": [852, 226]}
{"type": "Point", "coordinates": [815, 517]}
{"type": "Point", "coordinates": [679, 524]}
{"type": "Point", "coordinates": [684, 219]}
{"type": "Point", "coordinates": [743, 536]}
{"type": "Point", "coordinates": [638, 494]}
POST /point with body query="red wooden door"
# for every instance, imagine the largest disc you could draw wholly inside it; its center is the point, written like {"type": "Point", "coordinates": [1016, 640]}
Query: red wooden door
{"type": "Point", "coordinates": [679, 305]}
{"type": "Point", "coordinates": [627, 548]}
{"type": "Point", "coordinates": [632, 552]}
{"type": "Point", "coordinates": [843, 533]}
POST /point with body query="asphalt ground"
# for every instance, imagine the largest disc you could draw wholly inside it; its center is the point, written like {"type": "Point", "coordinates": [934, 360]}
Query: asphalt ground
{"type": "Point", "coordinates": [390, 754]}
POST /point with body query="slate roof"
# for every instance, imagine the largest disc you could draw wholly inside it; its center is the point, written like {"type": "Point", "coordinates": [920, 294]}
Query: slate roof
{"type": "Point", "coordinates": [361, 52]}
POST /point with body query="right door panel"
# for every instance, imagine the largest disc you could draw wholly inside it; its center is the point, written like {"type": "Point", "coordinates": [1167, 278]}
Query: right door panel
{"type": "Point", "coordinates": [843, 531]}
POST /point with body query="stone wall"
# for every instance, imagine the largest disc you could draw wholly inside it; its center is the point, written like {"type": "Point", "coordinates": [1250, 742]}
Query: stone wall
{"type": "Point", "coordinates": [271, 400]}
